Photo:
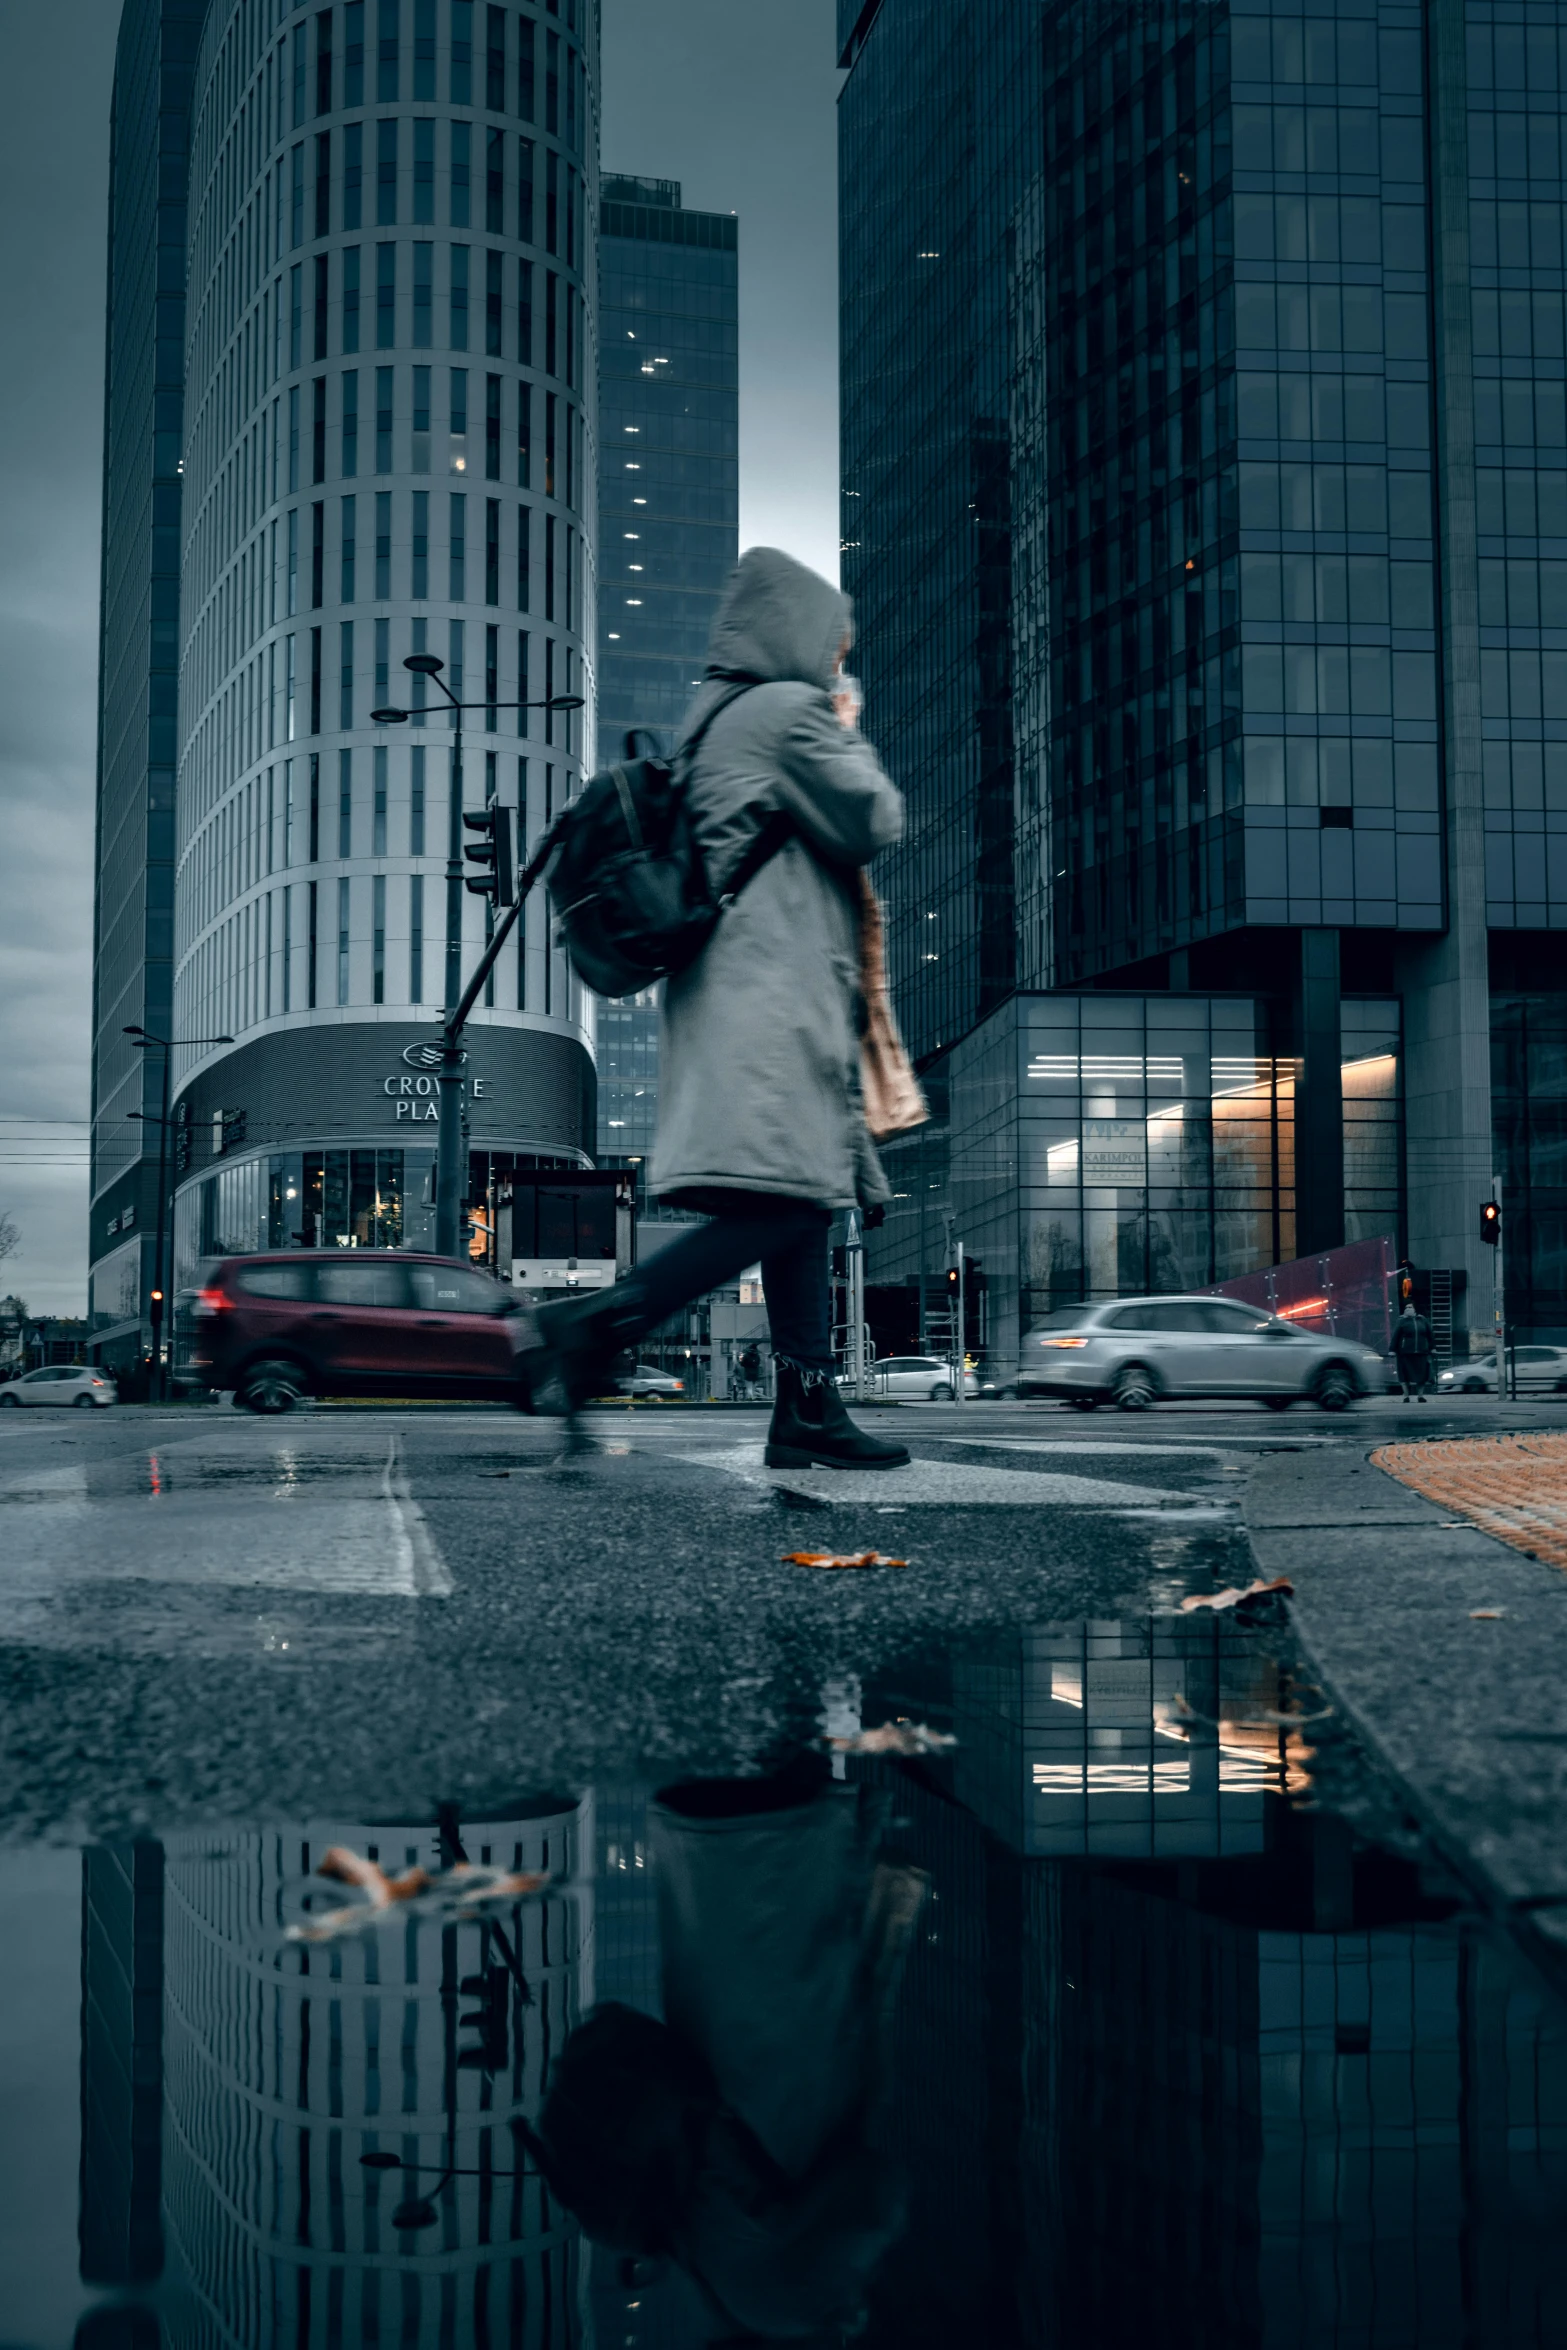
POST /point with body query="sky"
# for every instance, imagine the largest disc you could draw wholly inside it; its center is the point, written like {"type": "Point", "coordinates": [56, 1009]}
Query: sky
{"type": "Point", "coordinates": [733, 98]}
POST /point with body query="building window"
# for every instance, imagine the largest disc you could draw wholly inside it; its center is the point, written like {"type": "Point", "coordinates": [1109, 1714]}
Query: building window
{"type": "Point", "coordinates": [383, 569]}
{"type": "Point", "coordinates": [386, 173]}
{"type": "Point", "coordinates": [419, 631]}
{"type": "Point", "coordinates": [317, 554]}
{"type": "Point", "coordinates": [419, 585]}
{"type": "Point", "coordinates": [459, 298]}
{"type": "Point", "coordinates": [494, 265]}
{"type": "Point", "coordinates": [378, 798]}
{"type": "Point", "coordinates": [293, 437]}
{"type": "Point", "coordinates": [461, 91]}
{"type": "Point", "coordinates": [551, 412]}
{"type": "Point", "coordinates": [310, 949]}
{"type": "Point", "coordinates": [416, 802]}
{"type": "Point", "coordinates": [297, 76]}
{"type": "Point", "coordinates": [525, 313]}
{"type": "Point", "coordinates": [457, 581]}
{"type": "Point", "coordinates": [296, 196]}
{"type": "Point", "coordinates": [353, 175]}
{"type": "Point", "coordinates": [552, 84]}
{"type": "Point", "coordinates": [293, 563]}
{"type": "Point", "coordinates": [318, 429]}
{"type": "Point", "coordinates": [296, 305]}
{"type": "Point", "coordinates": [345, 804]}
{"type": "Point", "coordinates": [323, 63]}
{"type": "Point", "coordinates": [457, 439]}
{"type": "Point", "coordinates": [424, 173]}
{"type": "Point", "coordinates": [551, 201]}
{"type": "Point", "coordinates": [315, 677]}
{"type": "Point", "coordinates": [383, 664]}
{"type": "Point", "coordinates": [288, 690]}
{"type": "Point", "coordinates": [350, 423]}
{"type": "Point", "coordinates": [495, 182]}
{"type": "Point", "coordinates": [461, 191]}
{"type": "Point", "coordinates": [288, 949]}
{"type": "Point", "coordinates": [551, 312]}
{"type": "Point", "coordinates": [385, 297]}
{"type": "Point", "coordinates": [351, 298]}
{"type": "Point", "coordinates": [524, 436]}
{"type": "Point", "coordinates": [383, 420]}
{"type": "Point", "coordinates": [346, 583]}
{"type": "Point", "coordinates": [323, 183]}
{"type": "Point", "coordinates": [416, 935]}
{"type": "Point", "coordinates": [495, 60]}
{"type": "Point", "coordinates": [315, 811]}
{"type": "Point", "coordinates": [378, 939]}
{"type": "Point", "coordinates": [492, 428]}
{"type": "Point", "coordinates": [492, 552]}
{"type": "Point", "coordinates": [424, 49]}
{"type": "Point", "coordinates": [423, 258]}
{"type": "Point", "coordinates": [492, 684]}
{"type": "Point", "coordinates": [454, 659]}
{"type": "Point", "coordinates": [421, 421]}
{"type": "Point", "coordinates": [288, 813]}
{"type": "Point", "coordinates": [523, 564]}
{"type": "Point", "coordinates": [522, 680]}
{"type": "Point", "coordinates": [342, 940]}
{"type": "Point", "coordinates": [525, 35]}
{"type": "Point", "coordinates": [386, 52]}
{"type": "Point", "coordinates": [345, 696]}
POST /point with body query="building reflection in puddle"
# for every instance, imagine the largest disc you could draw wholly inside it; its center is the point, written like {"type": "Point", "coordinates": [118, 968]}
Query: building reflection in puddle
{"type": "Point", "coordinates": [1171, 2056]}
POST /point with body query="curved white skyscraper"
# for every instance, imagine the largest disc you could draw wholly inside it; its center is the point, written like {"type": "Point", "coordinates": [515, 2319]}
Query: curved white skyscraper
{"type": "Point", "coordinates": [390, 349]}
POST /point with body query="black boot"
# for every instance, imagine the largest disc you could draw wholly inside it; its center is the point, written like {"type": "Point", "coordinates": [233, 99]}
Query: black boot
{"type": "Point", "coordinates": [581, 1342]}
{"type": "Point", "coordinates": [811, 1429]}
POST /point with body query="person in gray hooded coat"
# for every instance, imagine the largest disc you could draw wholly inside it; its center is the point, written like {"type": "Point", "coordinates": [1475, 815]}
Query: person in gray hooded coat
{"type": "Point", "coordinates": [760, 1122]}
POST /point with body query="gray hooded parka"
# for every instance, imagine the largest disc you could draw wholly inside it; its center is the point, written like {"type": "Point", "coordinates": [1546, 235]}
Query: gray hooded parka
{"type": "Point", "coordinates": [759, 1046]}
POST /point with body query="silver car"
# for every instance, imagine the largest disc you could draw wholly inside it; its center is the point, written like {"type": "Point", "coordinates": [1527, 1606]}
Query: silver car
{"type": "Point", "coordinates": [917, 1378]}
{"type": "Point", "coordinates": [1133, 1351]}
{"type": "Point", "coordinates": [1537, 1370]}
{"type": "Point", "coordinates": [59, 1383]}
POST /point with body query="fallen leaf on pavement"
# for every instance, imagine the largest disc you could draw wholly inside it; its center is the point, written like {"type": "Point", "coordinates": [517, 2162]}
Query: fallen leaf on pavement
{"type": "Point", "coordinates": [840, 1558]}
{"type": "Point", "coordinates": [1486, 1615]}
{"type": "Point", "coordinates": [461, 1891]}
{"type": "Point", "coordinates": [894, 1738]}
{"type": "Point", "coordinates": [1233, 1596]}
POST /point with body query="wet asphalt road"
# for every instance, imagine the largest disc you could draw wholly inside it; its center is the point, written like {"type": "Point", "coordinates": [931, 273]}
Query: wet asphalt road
{"type": "Point", "coordinates": [370, 1611]}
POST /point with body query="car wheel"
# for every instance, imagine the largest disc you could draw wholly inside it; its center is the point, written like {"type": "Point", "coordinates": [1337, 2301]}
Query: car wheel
{"type": "Point", "coordinates": [270, 1388]}
{"type": "Point", "coordinates": [1278, 1403]}
{"type": "Point", "coordinates": [1474, 1387]}
{"type": "Point", "coordinates": [10, 1403]}
{"type": "Point", "coordinates": [1132, 1387]}
{"type": "Point", "coordinates": [1084, 1403]}
{"type": "Point", "coordinates": [83, 1403]}
{"type": "Point", "coordinates": [941, 1392]}
{"type": "Point", "coordinates": [1006, 1395]}
{"type": "Point", "coordinates": [1335, 1389]}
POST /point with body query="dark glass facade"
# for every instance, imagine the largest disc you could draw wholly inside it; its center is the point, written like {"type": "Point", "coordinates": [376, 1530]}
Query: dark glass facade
{"type": "Point", "coordinates": [1239, 674]}
{"type": "Point", "coordinates": [668, 523]}
{"type": "Point", "coordinates": [138, 648]}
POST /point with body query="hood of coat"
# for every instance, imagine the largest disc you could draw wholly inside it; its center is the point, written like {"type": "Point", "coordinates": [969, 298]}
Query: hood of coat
{"type": "Point", "coordinates": [778, 620]}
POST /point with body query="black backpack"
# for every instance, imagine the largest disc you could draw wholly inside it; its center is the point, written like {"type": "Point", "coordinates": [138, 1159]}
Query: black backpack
{"type": "Point", "coordinates": [627, 881]}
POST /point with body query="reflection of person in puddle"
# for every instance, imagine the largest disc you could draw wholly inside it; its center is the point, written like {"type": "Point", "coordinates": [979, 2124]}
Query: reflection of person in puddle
{"type": "Point", "coordinates": [739, 2136]}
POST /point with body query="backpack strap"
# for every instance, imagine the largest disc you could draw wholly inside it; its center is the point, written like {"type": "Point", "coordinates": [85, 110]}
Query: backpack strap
{"type": "Point", "coordinates": [772, 835]}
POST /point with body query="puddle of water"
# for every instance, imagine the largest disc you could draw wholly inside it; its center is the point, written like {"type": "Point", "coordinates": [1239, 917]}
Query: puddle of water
{"type": "Point", "coordinates": [1140, 2013]}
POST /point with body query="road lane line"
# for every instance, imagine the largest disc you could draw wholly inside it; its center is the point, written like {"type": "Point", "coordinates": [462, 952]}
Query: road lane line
{"type": "Point", "coordinates": [426, 1570]}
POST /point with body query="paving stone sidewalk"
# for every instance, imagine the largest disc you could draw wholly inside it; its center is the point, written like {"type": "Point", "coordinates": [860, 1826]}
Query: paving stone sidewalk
{"type": "Point", "coordinates": [1514, 1487]}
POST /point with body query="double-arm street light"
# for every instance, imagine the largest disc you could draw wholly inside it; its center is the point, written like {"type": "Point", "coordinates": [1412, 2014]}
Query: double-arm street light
{"type": "Point", "coordinates": [451, 1173]}
{"type": "Point", "coordinates": [164, 1045]}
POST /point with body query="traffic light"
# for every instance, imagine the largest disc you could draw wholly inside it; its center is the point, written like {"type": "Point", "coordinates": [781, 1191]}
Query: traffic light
{"type": "Point", "coordinates": [496, 851]}
{"type": "Point", "coordinates": [1490, 1222]}
{"type": "Point", "coordinates": [489, 2020]}
{"type": "Point", "coordinates": [952, 1281]}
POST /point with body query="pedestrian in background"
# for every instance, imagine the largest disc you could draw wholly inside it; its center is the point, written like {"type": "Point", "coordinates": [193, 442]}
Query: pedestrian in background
{"type": "Point", "coordinates": [1412, 1352]}
{"type": "Point", "coordinates": [761, 1121]}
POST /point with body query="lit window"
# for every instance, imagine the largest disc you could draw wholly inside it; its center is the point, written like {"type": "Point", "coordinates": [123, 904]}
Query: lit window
{"type": "Point", "coordinates": [637, 501]}
{"type": "Point", "coordinates": [633, 428]}
{"type": "Point", "coordinates": [633, 599]}
{"type": "Point", "coordinates": [635, 567]}
{"type": "Point", "coordinates": [631, 534]}
{"type": "Point", "coordinates": [614, 636]}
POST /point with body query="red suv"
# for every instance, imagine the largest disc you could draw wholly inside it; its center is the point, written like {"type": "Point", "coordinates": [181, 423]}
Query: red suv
{"type": "Point", "coordinates": [355, 1322]}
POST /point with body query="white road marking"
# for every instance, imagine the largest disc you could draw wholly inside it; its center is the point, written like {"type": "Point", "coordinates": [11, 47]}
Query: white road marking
{"type": "Point", "coordinates": [187, 1513]}
{"type": "Point", "coordinates": [933, 1484]}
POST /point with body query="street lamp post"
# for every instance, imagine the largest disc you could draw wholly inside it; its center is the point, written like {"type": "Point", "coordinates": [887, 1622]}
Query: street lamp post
{"type": "Point", "coordinates": [451, 1173]}
{"type": "Point", "coordinates": [164, 1045]}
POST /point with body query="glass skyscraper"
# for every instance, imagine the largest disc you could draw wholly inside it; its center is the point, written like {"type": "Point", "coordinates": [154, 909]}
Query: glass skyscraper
{"type": "Point", "coordinates": [1203, 450]}
{"type": "Point", "coordinates": [138, 652]}
{"type": "Point", "coordinates": [388, 446]}
{"type": "Point", "coordinates": [668, 523]}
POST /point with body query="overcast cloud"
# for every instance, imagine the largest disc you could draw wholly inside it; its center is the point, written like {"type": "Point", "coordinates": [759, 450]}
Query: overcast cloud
{"type": "Point", "coordinates": [734, 98]}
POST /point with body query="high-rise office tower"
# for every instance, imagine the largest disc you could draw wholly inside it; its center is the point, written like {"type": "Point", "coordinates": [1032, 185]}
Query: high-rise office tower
{"type": "Point", "coordinates": [133, 927]}
{"type": "Point", "coordinates": [668, 522]}
{"type": "Point", "coordinates": [388, 447]}
{"type": "Point", "coordinates": [1205, 542]}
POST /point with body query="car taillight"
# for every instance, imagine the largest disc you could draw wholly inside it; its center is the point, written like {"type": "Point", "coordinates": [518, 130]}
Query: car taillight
{"type": "Point", "coordinates": [213, 1301]}
{"type": "Point", "coordinates": [680, 1387]}
{"type": "Point", "coordinates": [1063, 1342]}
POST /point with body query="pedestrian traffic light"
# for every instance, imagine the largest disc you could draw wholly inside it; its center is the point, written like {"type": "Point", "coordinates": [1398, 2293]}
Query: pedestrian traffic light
{"type": "Point", "coordinates": [496, 851]}
{"type": "Point", "coordinates": [1490, 1222]}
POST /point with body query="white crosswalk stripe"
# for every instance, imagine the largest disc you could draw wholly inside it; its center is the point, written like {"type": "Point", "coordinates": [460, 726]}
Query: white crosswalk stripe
{"type": "Point", "coordinates": [937, 1484]}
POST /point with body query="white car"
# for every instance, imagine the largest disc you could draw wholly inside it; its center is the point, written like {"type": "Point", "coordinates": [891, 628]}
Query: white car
{"type": "Point", "coordinates": [1541, 1370]}
{"type": "Point", "coordinates": [646, 1379]}
{"type": "Point", "coordinates": [1133, 1351]}
{"type": "Point", "coordinates": [59, 1383]}
{"type": "Point", "coordinates": [916, 1378]}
